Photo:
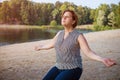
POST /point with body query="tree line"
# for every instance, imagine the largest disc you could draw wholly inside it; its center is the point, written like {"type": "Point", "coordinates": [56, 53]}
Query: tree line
{"type": "Point", "coordinates": [31, 13]}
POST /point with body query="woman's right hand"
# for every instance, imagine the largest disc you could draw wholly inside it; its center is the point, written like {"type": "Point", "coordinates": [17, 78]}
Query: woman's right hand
{"type": "Point", "coordinates": [108, 62]}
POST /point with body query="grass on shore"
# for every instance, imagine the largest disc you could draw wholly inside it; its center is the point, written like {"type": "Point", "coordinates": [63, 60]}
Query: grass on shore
{"type": "Point", "coordinates": [58, 27]}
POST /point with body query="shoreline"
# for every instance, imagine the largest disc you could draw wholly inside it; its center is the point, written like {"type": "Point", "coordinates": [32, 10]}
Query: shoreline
{"type": "Point", "coordinates": [20, 62]}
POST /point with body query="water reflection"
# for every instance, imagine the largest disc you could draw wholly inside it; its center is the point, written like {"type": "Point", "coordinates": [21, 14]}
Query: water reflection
{"type": "Point", "coordinates": [10, 36]}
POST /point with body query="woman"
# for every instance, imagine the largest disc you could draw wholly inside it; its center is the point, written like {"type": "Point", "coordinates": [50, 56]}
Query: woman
{"type": "Point", "coordinates": [67, 44]}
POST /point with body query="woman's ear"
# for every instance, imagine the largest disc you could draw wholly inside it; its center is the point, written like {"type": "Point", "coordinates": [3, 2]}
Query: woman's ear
{"type": "Point", "coordinates": [73, 22]}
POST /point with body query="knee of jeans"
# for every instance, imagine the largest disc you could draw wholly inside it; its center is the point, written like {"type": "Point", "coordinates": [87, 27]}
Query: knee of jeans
{"type": "Point", "coordinates": [45, 78]}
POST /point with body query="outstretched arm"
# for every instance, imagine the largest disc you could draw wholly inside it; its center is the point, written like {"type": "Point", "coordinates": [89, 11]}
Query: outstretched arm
{"type": "Point", "coordinates": [89, 53]}
{"type": "Point", "coordinates": [48, 45]}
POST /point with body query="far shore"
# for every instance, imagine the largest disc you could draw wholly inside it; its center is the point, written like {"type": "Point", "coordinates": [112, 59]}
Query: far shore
{"type": "Point", "coordinates": [21, 62]}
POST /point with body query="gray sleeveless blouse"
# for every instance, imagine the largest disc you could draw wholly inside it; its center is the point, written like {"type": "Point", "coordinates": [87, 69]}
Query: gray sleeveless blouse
{"type": "Point", "coordinates": [68, 51]}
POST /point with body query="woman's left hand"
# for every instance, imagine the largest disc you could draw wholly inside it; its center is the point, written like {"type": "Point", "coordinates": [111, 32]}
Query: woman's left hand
{"type": "Point", "coordinates": [108, 62]}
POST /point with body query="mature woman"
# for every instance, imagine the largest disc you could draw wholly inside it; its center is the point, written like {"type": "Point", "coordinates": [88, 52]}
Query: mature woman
{"type": "Point", "coordinates": [67, 44]}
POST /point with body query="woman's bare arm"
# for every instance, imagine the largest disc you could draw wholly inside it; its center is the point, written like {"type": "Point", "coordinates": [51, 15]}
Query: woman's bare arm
{"type": "Point", "coordinates": [91, 54]}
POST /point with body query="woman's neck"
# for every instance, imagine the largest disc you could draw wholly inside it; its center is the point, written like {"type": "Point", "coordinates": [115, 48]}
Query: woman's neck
{"type": "Point", "coordinates": [68, 29]}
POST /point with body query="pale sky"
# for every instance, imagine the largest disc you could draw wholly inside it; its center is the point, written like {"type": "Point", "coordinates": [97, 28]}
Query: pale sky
{"type": "Point", "coordinates": [88, 3]}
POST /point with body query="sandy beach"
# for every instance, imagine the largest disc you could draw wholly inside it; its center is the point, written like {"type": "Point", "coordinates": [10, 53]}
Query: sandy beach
{"type": "Point", "coordinates": [21, 62]}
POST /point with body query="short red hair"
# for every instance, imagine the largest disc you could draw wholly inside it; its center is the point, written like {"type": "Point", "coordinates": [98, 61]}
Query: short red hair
{"type": "Point", "coordinates": [74, 17]}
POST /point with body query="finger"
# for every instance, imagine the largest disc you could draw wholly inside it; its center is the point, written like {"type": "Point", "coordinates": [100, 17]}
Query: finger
{"type": "Point", "coordinates": [112, 61]}
{"type": "Point", "coordinates": [106, 63]}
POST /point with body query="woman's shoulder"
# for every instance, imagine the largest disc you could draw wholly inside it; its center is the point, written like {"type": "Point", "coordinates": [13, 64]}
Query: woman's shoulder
{"type": "Point", "coordinates": [77, 32]}
{"type": "Point", "coordinates": [59, 32]}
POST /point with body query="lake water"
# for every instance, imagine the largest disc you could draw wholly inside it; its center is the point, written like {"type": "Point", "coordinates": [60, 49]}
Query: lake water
{"type": "Point", "coordinates": [11, 36]}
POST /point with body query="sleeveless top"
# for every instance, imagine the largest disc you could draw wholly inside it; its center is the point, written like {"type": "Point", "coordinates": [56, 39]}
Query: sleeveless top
{"type": "Point", "coordinates": [68, 51]}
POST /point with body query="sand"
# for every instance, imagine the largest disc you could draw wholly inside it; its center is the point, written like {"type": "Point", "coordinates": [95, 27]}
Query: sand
{"type": "Point", "coordinates": [21, 62]}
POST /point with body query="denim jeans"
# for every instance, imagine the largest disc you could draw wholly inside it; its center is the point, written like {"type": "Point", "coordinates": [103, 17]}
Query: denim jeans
{"type": "Point", "coordinates": [67, 74]}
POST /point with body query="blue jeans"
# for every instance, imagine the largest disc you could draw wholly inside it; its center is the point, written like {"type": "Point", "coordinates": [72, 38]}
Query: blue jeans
{"type": "Point", "coordinates": [68, 74]}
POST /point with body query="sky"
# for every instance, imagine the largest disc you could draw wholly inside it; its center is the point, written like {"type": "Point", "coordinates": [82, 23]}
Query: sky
{"type": "Point", "coordinates": [89, 3]}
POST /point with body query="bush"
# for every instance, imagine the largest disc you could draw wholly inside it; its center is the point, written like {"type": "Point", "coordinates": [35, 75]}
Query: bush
{"type": "Point", "coordinates": [96, 28]}
{"type": "Point", "coordinates": [53, 23]}
{"type": "Point", "coordinates": [101, 28]}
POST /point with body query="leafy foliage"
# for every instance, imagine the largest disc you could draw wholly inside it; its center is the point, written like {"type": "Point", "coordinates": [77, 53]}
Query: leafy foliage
{"type": "Point", "coordinates": [31, 13]}
{"type": "Point", "coordinates": [53, 23]}
{"type": "Point", "coordinates": [101, 28]}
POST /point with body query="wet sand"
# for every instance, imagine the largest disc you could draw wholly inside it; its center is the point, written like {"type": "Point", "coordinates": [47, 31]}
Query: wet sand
{"type": "Point", "coordinates": [22, 62]}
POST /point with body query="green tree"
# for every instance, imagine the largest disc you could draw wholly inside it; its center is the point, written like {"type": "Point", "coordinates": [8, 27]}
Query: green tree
{"type": "Point", "coordinates": [55, 12]}
{"type": "Point", "coordinates": [0, 13]}
{"type": "Point", "coordinates": [53, 23]}
{"type": "Point", "coordinates": [4, 12]}
{"type": "Point", "coordinates": [105, 8]}
{"type": "Point", "coordinates": [37, 14]}
{"type": "Point", "coordinates": [83, 15]}
{"type": "Point", "coordinates": [63, 7]}
{"type": "Point", "coordinates": [80, 14]}
{"type": "Point", "coordinates": [0, 4]}
{"type": "Point", "coordinates": [28, 12]}
{"type": "Point", "coordinates": [15, 10]}
{"type": "Point", "coordinates": [32, 13]}
{"type": "Point", "coordinates": [86, 18]}
{"type": "Point", "coordinates": [92, 15]}
{"type": "Point", "coordinates": [103, 12]}
{"type": "Point", "coordinates": [117, 15]}
{"type": "Point", "coordinates": [58, 4]}
{"type": "Point", "coordinates": [101, 19]}
{"type": "Point", "coordinates": [111, 19]}
{"type": "Point", "coordinates": [67, 5]}
{"type": "Point", "coordinates": [24, 12]}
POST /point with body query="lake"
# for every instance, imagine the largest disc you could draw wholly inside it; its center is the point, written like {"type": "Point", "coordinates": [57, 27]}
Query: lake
{"type": "Point", "coordinates": [11, 36]}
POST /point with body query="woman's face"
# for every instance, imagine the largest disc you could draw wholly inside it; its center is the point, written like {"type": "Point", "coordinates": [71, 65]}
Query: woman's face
{"type": "Point", "coordinates": [67, 19]}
